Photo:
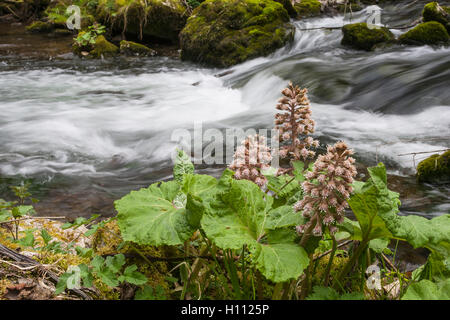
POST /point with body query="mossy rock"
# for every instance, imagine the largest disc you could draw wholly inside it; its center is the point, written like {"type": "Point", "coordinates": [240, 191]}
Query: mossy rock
{"type": "Point", "coordinates": [40, 27]}
{"type": "Point", "coordinates": [434, 169]}
{"type": "Point", "coordinates": [434, 12]}
{"type": "Point", "coordinates": [56, 13]}
{"type": "Point", "coordinates": [308, 8]}
{"type": "Point", "coordinates": [227, 32]}
{"type": "Point", "coordinates": [163, 19]}
{"type": "Point", "coordinates": [425, 33]}
{"type": "Point", "coordinates": [287, 4]}
{"type": "Point", "coordinates": [359, 36]}
{"type": "Point", "coordinates": [131, 48]}
{"type": "Point", "coordinates": [103, 48]}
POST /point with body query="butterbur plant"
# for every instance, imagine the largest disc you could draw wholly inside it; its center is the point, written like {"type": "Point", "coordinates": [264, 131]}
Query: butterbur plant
{"type": "Point", "coordinates": [250, 158]}
{"type": "Point", "coordinates": [294, 125]}
{"type": "Point", "coordinates": [326, 191]}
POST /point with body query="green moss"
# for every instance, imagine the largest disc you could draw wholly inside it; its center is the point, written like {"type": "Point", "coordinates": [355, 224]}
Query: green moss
{"type": "Point", "coordinates": [434, 12]}
{"type": "Point", "coordinates": [103, 48]}
{"type": "Point", "coordinates": [425, 33]}
{"type": "Point", "coordinates": [40, 27]}
{"type": "Point", "coordinates": [227, 32]}
{"type": "Point", "coordinates": [307, 8]}
{"type": "Point", "coordinates": [434, 169]}
{"type": "Point", "coordinates": [287, 4]}
{"type": "Point", "coordinates": [162, 19]}
{"type": "Point", "coordinates": [359, 36]}
{"type": "Point", "coordinates": [130, 48]}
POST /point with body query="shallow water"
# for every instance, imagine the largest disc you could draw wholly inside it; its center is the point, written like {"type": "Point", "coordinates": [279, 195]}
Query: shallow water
{"type": "Point", "coordinates": [87, 132]}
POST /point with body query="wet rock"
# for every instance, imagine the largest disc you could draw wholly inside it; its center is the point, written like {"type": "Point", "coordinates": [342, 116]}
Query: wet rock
{"type": "Point", "coordinates": [307, 8]}
{"type": "Point", "coordinates": [227, 32]}
{"type": "Point", "coordinates": [102, 48]}
{"type": "Point", "coordinates": [131, 48]}
{"type": "Point", "coordinates": [360, 36]}
{"type": "Point", "coordinates": [425, 33]}
{"type": "Point", "coordinates": [162, 19]}
{"type": "Point", "coordinates": [434, 12]}
{"type": "Point", "coordinates": [434, 169]}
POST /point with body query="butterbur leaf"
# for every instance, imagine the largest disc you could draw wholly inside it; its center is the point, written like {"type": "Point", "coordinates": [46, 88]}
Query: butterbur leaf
{"type": "Point", "coordinates": [182, 166]}
{"type": "Point", "coordinates": [149, 216]}
{"type": "Point", "coordinates": [237, 216]}
{"type": "Point", "coordinates": [132, 276]}
{"type": "Point", "coordinates": [62, 283]}
{"type": "Point", "coordinates": [280, 258]}
{"type": "Point", "coordinates": [283, 216]}
{"type": "Point", "coordinates": [5, 215]}
{"type": "Point", "coordinates": [427, 290]}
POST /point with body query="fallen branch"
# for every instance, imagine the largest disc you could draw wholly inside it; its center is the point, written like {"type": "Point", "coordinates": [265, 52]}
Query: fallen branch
{"type": "Point", "coordinates": [28, 262]}
{"type": "Point", "coordinates": [27, 218]}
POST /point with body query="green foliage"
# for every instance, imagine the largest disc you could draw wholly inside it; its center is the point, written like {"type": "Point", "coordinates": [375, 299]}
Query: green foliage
{"type": "Point", "coordinates": [307, 8]}
{"type": "Point", "coordinates": [427, 290]}
{"type": "Point", "coordinates": [150, 293]}
{"type": "Point", "coordinates": [89, 37]}
{"type": "Point", "coordinates": [182, 166]}
{"type": "Point", "coordinates": [326, 293]}
{"type": "Point", "coordinates": [110, 271]}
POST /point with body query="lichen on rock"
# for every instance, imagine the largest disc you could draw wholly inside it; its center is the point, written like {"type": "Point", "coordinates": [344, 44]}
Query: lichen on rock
{"type": "Point", "coordinates": [360, 36]}
{"type": "Point", "coordinates": [435, 168]}
{"type": "Point", "coordinates": [226, 32]}
{"type": "Point", "coordinates": [425, 33]}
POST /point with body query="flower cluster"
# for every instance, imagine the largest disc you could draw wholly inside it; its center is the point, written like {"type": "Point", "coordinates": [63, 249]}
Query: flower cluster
{"type": "Point", "coordinates": [327, 188]}
{"type": "Point", "coordinates": [250, 158]}
{"type": "Point", "coordinates": [294, 124]}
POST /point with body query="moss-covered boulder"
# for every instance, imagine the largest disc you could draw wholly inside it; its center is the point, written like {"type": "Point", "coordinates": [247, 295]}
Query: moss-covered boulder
{"type": "Point", "coordinates": [360, 36]}
{"type": "Point", "coordinates": [40, 27]}
{"type": "Point", "coordinates": [162, 19]}
{"type": "Point", "coordinates": [226, 32]}
{"type": "Point", "coordinates": [102, 48]}
{"type": "Point", "coordinates": [287, 4]}
{"type": "Point", "coordinates": [130, 48]}
{"type": "Point", "coordinates": [434, 12]}
{"type": "Point", "coordinates": [307, 8]}
{"type": "Point", "coordinates": [435, 168]}
{"type": "Point", "coordinates": [425, 33]}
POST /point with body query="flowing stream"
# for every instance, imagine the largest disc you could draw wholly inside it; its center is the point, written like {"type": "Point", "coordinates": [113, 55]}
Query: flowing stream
{"type": "Point", "coordinates": [87, 132]}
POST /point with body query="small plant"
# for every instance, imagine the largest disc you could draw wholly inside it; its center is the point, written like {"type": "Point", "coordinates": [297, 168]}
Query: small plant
{"type": "Point", "coordinates": [12, 211]}
{"type": "Point", "coordinates": [88, 38]}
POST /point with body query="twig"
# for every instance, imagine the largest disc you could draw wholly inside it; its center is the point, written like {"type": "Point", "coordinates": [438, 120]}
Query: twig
{"type": "Point", "coordinates": [27, 218]}
{"type": "Point", "coordinates": [421, 152]}
{"type": "Point", "coordinates": [329, 251]}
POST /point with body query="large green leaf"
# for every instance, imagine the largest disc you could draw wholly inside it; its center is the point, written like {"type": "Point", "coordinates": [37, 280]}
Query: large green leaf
{"type": "Point", "coordinates": [240, 214]}
{"type": "Point", "coordinates": [149, 216]}
{"type": "Point", "coordinates": [427, 290]}
{"type": "Point", "coordinates": [376, 208]}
